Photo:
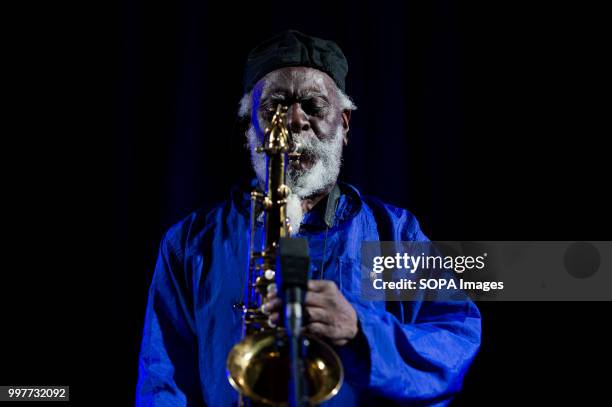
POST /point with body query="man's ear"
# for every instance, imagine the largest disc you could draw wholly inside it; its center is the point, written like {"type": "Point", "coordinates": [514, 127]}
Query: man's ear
{"type": "Point", "coordinates": [242, 125]}
{"type": "Point", "coordinates": [346, 117]}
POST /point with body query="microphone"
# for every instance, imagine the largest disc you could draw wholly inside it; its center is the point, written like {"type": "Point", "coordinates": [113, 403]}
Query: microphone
{"type": "Point", "coordinates": [293, 261]}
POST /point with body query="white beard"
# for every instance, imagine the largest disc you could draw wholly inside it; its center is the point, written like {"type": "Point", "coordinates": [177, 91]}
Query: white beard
{"type": "Point", "coordinates": [303, 183]}
{"type": "Point", "coordinates": [295, 214]}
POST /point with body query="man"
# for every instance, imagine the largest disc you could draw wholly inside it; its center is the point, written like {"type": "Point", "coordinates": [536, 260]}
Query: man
{"type": "Point", "coordinates": [400, 353]}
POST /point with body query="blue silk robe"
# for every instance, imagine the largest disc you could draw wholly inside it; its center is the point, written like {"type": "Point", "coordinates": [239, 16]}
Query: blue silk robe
{"type": "Point", "coordinates": [406, 353]}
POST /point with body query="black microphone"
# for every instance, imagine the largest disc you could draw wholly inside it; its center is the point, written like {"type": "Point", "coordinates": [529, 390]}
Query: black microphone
{"type": "Point", "coordinates": [293, 261]}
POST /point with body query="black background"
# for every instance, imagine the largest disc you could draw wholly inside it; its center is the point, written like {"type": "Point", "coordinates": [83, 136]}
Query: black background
{"type": "Point", "coordinates": [487, 120]}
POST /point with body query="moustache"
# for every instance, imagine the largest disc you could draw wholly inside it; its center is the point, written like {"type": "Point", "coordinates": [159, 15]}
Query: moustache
{"type": "Point", "coordinates": [307, 148]}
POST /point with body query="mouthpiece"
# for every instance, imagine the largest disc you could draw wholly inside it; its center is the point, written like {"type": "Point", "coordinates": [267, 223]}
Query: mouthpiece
{"type": "Point", "coordinates": [295, 154]}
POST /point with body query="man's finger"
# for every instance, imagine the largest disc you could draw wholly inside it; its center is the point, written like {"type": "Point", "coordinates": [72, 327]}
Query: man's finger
{"type": "Point", "coordinates": [321, 285]}
{"type": "Point", "coordinates": [318, 329]}
{"type": "Point", "coordinates": [340, 342]}
{"type": "Point", "coordinates": [314, 299]}
{"type": "Point", "coordinates": [271, 306]}
{"type": "Point", "coordinates": [317, 315]}
{"type": "Point", "coordinates": [271, 294]}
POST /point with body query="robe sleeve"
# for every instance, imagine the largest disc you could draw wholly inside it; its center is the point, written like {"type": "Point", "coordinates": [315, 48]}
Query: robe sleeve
{"type": "Point", "coordinates": [168, 370]}
{"type": "Point", "coordinates": [421, 362]}
{"type": "Point", "coordinates": [413, 352]}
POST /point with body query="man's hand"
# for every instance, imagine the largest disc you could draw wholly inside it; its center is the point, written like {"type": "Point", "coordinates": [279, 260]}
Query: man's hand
{"type": "Point", "coordinates": [329, 314]}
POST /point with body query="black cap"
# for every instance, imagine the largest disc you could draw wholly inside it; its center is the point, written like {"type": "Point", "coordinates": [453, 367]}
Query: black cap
{"type": "Point", "coordinates": [292, 48]}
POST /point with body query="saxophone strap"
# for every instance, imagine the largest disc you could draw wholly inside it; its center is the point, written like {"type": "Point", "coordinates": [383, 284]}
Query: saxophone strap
{"type": "Point", "coordinates": [332, 204]}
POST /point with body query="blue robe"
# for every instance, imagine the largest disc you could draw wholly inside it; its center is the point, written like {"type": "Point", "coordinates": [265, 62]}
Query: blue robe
{"type": "Point", "coordinates": [406, 353]}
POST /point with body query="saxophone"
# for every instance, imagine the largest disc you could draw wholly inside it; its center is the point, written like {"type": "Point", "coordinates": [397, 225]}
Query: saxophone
{"type": "Point", "coordinates": [258, 366]}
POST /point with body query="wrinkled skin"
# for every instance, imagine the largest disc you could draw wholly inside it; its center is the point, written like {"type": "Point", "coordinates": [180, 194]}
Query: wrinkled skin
{"type": "Point", "coordinates": [314, 111]}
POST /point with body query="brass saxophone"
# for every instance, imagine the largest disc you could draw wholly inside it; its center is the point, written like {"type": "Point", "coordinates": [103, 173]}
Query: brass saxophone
{"type": "Point", "coordinates": [258, 366]}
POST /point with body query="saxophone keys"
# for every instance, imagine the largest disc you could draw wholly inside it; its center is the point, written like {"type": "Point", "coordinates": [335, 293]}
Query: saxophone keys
{"type": "Point", "coordinates": [260, 285]}
{"type": "Point", "coordinates": [283, 191]}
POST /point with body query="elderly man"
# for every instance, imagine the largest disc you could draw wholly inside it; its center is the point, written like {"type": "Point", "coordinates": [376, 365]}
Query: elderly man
{"type": "Point", "coordinates": [395, 353]}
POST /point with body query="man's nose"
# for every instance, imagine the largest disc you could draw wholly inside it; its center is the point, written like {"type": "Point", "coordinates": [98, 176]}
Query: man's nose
{"type": "Point", "coordinates": [296, 119]}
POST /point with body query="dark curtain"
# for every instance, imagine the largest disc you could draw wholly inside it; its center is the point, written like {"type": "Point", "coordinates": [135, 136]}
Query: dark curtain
{"type": "Point", "coordinates": [484, 119]}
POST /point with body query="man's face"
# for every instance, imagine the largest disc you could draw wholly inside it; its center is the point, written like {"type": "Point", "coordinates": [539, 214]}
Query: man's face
{"type": "Point", "coordinates": [315, 119]}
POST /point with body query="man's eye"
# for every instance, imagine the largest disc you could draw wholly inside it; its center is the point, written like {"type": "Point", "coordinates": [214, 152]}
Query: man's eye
{"type": "Point", "coordinates": [267, 110]}
{"type": "Point", "coordinates": [271, 107]}
{"type": "Point", "coordinates": [313, 108]}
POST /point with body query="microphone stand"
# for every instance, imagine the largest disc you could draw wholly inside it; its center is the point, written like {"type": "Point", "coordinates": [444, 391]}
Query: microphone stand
{"type": "Point", "coordinates": [294, 262]}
